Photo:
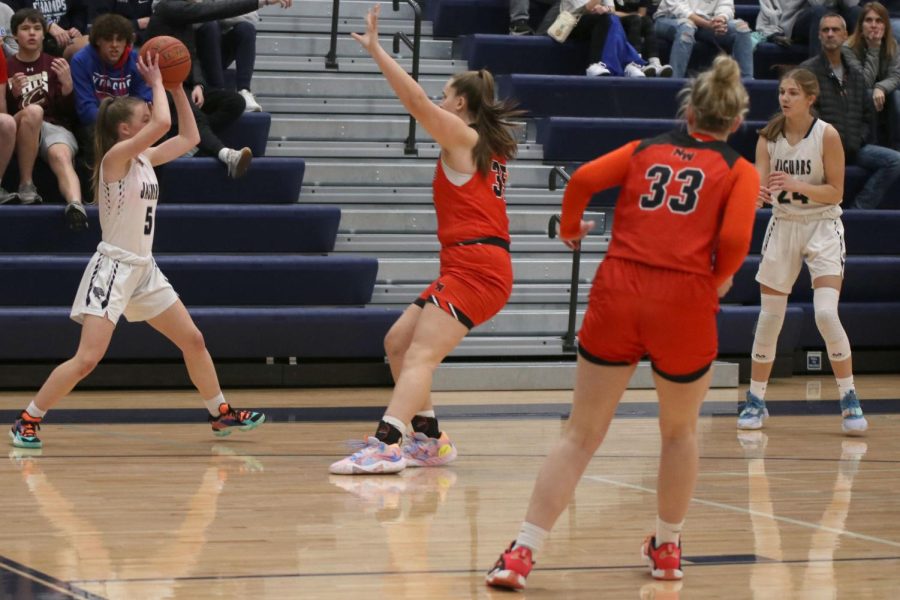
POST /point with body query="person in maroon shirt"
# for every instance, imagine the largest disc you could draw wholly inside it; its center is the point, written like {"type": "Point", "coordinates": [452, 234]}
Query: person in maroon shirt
{"type": "Point", "coordinates": [7, 133]}
{"type": "Point", "coordinates": [39, 93]}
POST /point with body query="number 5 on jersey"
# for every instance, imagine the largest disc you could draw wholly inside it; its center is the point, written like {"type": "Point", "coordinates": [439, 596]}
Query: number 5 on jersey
{"type": "Point", "coordinates": [148, 221]}
{"type": "Point", "coordinates": [681, 203]}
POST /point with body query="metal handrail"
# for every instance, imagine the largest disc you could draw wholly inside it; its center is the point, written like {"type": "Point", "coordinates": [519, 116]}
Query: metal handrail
{"type": "Point", "coordinates": [568, 340]}
{"type": "Point", "coordinates": [409, 147]}
{"type": "Point", "coordinates": [331, 57]}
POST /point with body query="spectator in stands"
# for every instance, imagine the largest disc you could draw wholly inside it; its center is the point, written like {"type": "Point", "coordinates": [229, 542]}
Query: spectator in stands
{"type": "Point", "coordinates": [769, 26]}
{"type": "Point", "coordinates": [40, 94]}
{"type": "Point", "coordinates": [219, 43]}
{"type": "Point", "coordinates": [806, 14]}
{"type": "Point", "coordinates": [874, 45]}
{"type": "Point", "coordinates": [122, 278]}
{"type": "Point", "coordinates": [845, 102]}
{"type": "Point", "coordinates": [519, 15]}
{"type": "Point", "coordinates": [473, 131]}
{"type": "Point", "coordinates": [136, 11]}
{"type": "Point", "coordinates": [7, 133]}
{"type": "Point", "coordinates": [7, 39]}
{"type": "Point", "coordinates": [609, 50]}
{"type": "Point", "coordinates": [217, 108]}
{"type": "Point", "coordinates": [893, 7]}
{"type": "Point", "coordinates": [801, 168]}
{"type": "Point", "coordinates": [106, 68]}
{"type": "Point", "coordinates": [638, 26]}
{"type": "Point", "coordinates": [684, 22]}
{"type": "Point", "coordinates": [66, 20]}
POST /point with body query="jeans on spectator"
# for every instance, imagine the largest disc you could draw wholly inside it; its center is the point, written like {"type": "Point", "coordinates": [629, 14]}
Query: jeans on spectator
{"type": "Point", "coordinates": [884, 165]}
{"type": "Point", "coordinates": [641, 35]}
{"type": "Point", "coordinates": [892, 107]}
{"type": "Point", "coordinates": [518, 10]}
{"type": "Point", "coordinates": [220, 108]}
{"type": "Point", "coordinates": [683, 34]}
{"type": "Point", "coordinates": [806, 27]}
{"type": "Point", "coordinates": [217, 50]}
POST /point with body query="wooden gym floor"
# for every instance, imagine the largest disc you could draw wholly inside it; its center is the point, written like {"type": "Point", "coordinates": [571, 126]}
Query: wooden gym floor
{"type": "Point", "coordinates": [133, 498]}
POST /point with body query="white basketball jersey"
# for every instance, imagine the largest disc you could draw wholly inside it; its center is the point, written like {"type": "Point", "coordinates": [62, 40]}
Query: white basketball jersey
{"type": "Point", "coordinates": [128, 208]}
{"type": "Point", "coordinates": [802, 161]}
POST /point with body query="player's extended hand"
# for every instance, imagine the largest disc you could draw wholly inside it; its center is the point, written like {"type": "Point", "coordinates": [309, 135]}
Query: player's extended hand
{"type": "Point", "coordinates": [575, 242]}
{"type": "Point", "coordinates": [369, 39]}
{"type": "Point", "coordinates": [149, 69]}
{"type": "Point", "coordinates": [779, 180]}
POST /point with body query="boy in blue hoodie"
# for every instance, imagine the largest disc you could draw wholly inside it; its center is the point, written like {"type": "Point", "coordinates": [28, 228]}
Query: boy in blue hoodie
{"type": "Point", "coordinates": [105, 68]}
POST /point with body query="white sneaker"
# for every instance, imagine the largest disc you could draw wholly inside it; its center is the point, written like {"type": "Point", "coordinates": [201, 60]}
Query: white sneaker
{"type": "Point", "coordinates": [634, 70]}
{"type": "Point", "coordinates": [250, 100]}
{"type": "Point", "coordinates": [598, 69]}
{"type": "Point", "coordinates": [753, 413]}
{"type": "Point", "coordinates": [237, 161]}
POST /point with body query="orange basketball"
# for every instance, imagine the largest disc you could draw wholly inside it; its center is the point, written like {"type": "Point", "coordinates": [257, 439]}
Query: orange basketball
{"type": "Point", "coordinates": [174, 59]}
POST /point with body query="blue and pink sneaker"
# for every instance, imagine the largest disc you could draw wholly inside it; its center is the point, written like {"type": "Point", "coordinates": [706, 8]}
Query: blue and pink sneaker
{"type": "Point", "coordinates": [373, 458]}
{"type": "Point", "coordinates": [423, 451]}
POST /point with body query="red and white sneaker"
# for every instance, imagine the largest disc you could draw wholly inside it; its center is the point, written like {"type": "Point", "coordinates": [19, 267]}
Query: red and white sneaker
{"type": "Point", "coordinates": [423, 451]}
{"type": "Point", "coordinates": [511, 568]}
{"type": "Point", "coordinates": [665, 561]}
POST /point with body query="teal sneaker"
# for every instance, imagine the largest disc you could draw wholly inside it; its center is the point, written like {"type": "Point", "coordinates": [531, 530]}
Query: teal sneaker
{"type": "Point", "coordinates": [23, 433]}
{"type": "Point", "coordinates": [853, 422]}
{"type": "Point", "coordinates": [753, 413]}
{"type": "Point", "coordinates": [228, 418]}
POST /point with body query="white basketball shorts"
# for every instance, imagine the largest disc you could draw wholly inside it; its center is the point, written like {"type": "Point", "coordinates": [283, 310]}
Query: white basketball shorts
{"type": "Point", "coordinates": [789, 243]}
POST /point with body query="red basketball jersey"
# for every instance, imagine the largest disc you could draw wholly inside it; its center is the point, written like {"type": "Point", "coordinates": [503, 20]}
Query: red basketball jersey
{"type": "Point", "coordinates": [473, 210]}
{"type": "Point", "coordinates": [683, 201]}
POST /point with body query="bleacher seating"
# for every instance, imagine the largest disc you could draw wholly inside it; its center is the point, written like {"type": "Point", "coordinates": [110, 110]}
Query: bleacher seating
{"type": "Point", "coordinates": [248, 260]}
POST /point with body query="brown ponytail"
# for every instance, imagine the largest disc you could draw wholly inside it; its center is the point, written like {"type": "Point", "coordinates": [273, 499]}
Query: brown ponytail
{"type": "Point", "coordinates": [112, 111]}
{"type": "Point", "coordinates": [492, 118]}
{"type": "Point", "coordinates": [808, 83]}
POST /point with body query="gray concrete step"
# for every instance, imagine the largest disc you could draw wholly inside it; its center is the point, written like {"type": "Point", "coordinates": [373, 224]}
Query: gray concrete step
{"type": "Point", "coordinates": [331, 106]}
{"type": "Point", "coordinates": [349, 9]}
{"type": "Point", "coordinates": [334, 85]}
{"type": "Point", "coordinates": [399, 197]}
{"type": "Point", "coordinates": [388, 244]}
{"type": "Point", "coordinates": [336, 129]}
{"type": "Point", "coordinates": [555, 295]}
{"type": "Point", "coordinates": [273, 22]}
{"type": "Point", "coordinates": [526, 269]}
{"type": "Point", "coordinates": [362, 149]}
{"type": "Point", "coordinates": [405, 172]}
{"type": "Point", "coordinates": [353, 64]}
{"type": "Point", "coordinates": [319, 45]}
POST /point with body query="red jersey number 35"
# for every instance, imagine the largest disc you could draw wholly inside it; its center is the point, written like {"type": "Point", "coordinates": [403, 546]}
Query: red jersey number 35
{"type": "Point", "coordinates": [500, 175]}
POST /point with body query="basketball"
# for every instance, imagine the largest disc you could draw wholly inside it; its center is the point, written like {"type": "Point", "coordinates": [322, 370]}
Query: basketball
{"type": "Point", "coordinates": [174, 59]}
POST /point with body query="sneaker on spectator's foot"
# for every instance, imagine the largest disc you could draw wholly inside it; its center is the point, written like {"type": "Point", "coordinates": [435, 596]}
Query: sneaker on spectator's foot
{"type": "Point", "coordinates": [634, 70]}
{"type": "Point", "coordinates": [853, 422]}
{"type": "Point", "coordinates": [250, 100]}
{"type": "Point", "coordinates": [28, 193]}
{"type": "Point", "coordinates": [520, 27]}
{"type": "Point", "coordinates": [423, 451]}
{"type": "Point", "coordinates": [598, 69]}
{"type": "Point", "coordinates": [24, 431]}
{"type": "Point", "coordinates": [664, 70]}
{"type": "Point", "coordinates": [244, 420]}
{"type": "Point", "coordinates": [664, 561]}
{"type": "Point", "coordinates": [753, 413]}
{"type": "Point", "coordinates": [237, 161]}
{"type": "Point", "coordinates": [511, 568]}
{"type": "Point", "coordinates": [7, 197]}
{"type": "Point", "coordinates": [76, 216]}
{"type": "Point", "coordinates": [374, 457]}
{"type": "Point", "coordinates": [649, 70]}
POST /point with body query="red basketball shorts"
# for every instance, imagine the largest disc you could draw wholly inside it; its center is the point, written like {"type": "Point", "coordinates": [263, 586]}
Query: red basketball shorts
{"type": "Point", "coordinates": [636, 310]}
{"type": "Point", "coordinates": [475, 283]}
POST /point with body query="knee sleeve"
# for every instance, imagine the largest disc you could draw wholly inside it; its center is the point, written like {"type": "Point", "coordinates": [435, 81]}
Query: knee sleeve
{"type": "Point", "coordinates": [771, 318]}
{"type": "Point", "coordinates": [825, 303]}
